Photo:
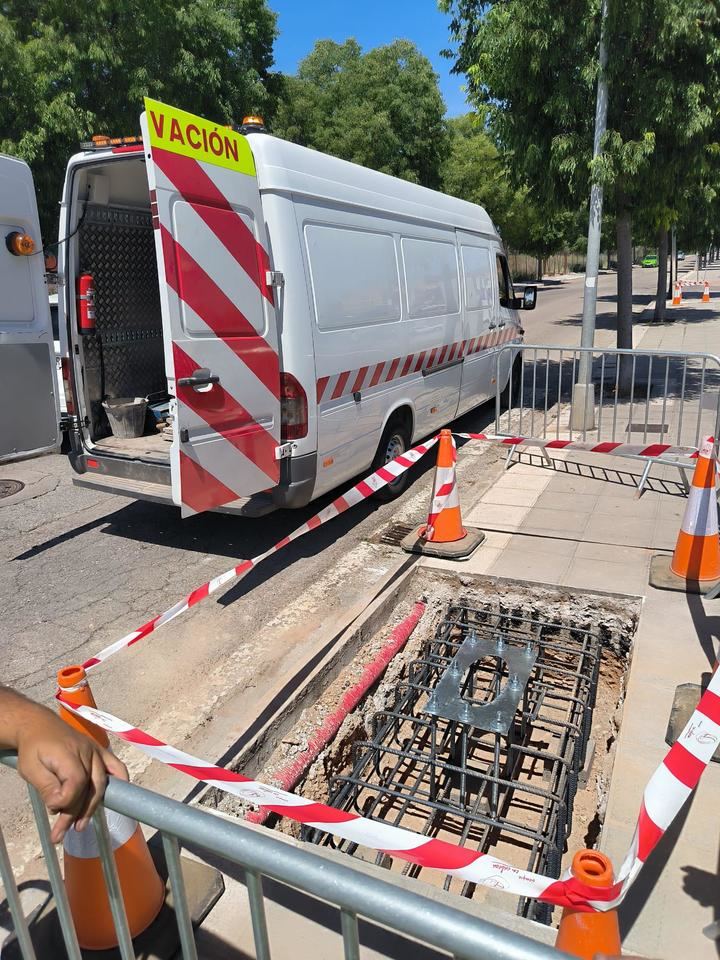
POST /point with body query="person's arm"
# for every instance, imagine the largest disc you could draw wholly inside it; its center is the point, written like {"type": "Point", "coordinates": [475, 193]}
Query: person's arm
{"type": "Point", "coordinates": [67, 768]}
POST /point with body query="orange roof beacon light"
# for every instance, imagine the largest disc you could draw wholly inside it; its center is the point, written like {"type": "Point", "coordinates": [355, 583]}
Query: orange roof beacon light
{"type": "Point", "coordinates": [101, 141]}
{"type": "Point", "coordinates": [20, 244]}
{"type": "Point", "coordinates": [253, 123]}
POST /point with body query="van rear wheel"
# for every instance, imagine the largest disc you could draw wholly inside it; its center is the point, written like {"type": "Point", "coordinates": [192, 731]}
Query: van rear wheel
{"type": "Point", "coordinates": [394, 441]}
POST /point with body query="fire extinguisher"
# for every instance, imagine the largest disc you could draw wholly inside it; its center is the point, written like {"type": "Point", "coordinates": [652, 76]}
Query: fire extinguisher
{"type": "Point", "coordinates": [86, 303]}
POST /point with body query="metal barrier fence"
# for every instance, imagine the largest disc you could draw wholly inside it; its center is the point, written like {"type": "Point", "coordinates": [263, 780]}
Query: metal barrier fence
{"type": "Point", "coordinates": [356, 894]}
{"type": "Point", "coordinates": [637, 396]}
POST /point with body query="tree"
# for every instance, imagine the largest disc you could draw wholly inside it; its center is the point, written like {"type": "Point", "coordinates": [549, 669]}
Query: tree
{"type": "Point", "coordinates": [532, 64]}
{"type": "Point", "coordinates": [475, 170]}
{"type": "Point", "coordinates": [382, 109]}
{"type": "Point", "coordinates": [71, 69]}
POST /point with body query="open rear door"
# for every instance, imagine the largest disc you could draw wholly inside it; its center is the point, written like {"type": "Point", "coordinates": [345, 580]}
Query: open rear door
{"type": "Point", "coordinates": [219, 319]}
{"type": "Point", "coordinates": [29, 405]}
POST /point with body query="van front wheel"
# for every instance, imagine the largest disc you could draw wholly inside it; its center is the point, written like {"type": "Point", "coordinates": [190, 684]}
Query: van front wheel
{"type": "Point", "coordinates": [394, 441]}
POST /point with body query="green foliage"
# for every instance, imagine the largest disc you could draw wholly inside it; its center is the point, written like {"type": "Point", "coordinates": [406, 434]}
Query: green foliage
{"type": "Point", "coordinates": [71, 69]}
{"type": "Point", "coordinates": [532, 65]}
{"type": "Point", "coordinates": [475, 170]}
{"type": "Point", "coordinates": [382, 109]}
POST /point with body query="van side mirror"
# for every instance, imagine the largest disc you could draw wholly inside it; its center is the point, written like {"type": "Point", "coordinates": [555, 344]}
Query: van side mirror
{"type": "Point", "coordinates": [529, 298]}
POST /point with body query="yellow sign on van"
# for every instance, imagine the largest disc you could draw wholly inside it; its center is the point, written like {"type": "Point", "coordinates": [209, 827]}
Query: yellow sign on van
{"type": "Point", "coordinates": [180, 132]}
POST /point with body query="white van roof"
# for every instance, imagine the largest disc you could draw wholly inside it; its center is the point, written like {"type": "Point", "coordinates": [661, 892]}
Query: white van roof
{"type": "Point", "coordinates": [288, 167]}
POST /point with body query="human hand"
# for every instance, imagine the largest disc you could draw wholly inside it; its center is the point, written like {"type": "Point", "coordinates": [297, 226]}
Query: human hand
{"type": "Point", "coordinates": [68, 769]}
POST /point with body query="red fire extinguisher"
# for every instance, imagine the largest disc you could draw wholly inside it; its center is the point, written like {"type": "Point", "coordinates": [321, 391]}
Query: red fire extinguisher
{"type": "Point", "coordinates": [86, 303]}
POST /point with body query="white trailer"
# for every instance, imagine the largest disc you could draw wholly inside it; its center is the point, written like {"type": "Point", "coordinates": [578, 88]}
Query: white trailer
{"type": "Point", "coordinates": [304, 317]}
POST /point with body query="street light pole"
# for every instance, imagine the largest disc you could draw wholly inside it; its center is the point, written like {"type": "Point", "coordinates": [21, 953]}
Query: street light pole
{"type": "Point", "coordinates": [584, 391]}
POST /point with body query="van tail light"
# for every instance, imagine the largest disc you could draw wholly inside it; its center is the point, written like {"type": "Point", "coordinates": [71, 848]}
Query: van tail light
{"type": "Point", "coordinates": [293, 409]}
{"type": "Point", "coordinates": [67, 385]}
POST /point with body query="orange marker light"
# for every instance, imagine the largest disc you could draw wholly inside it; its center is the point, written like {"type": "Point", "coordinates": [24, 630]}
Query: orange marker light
{"type": "Point", "coordinates": [253, 120]}
{"type": "Point", "coordinates": [20, 244]}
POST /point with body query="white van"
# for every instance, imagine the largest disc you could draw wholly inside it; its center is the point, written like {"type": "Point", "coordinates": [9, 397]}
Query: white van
{"type": "Point", "coordinates": [294, 317]}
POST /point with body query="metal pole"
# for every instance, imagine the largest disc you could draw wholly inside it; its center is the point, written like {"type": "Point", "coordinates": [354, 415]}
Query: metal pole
{"type": "Point", "coordinates": [584, 400]}
{"type": "Point", "coordinates": [673, 261]}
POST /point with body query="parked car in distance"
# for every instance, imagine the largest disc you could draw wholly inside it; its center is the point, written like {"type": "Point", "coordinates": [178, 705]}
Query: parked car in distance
{"type": "Point", "coordinates": [681, 254]}
{"type": "Point", "coordinates": [650, 260]}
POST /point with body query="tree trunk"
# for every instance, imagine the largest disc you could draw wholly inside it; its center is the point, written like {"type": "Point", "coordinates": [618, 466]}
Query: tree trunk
{"type": "Point", "coordinates": [623, 228]}
{"type": "Point", "coordinates": [661, 295]}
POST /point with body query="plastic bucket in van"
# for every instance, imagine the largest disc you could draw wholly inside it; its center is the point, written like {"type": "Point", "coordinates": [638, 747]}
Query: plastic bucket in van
{"type": "Point", "coordinates": [126, 416]}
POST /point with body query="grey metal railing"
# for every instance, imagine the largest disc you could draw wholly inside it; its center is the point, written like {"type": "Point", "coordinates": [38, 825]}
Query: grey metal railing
{"type": "Point", "coordinates": [354, 892]}
{"type": "Point", "coordinates": [636, 396]}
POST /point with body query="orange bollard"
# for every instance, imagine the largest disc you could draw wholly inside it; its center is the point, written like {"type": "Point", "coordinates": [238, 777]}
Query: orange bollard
{"type": "Point", "coordinates": [142, 889]}
{"type": "Point", "coordinates": [697, 551]}
{"type": "Point", "coordinates": [677, 294]}
{"type": "Point", "coordinates": [583, 934]}
{"type": "Point", "coordinates": [706, 292]}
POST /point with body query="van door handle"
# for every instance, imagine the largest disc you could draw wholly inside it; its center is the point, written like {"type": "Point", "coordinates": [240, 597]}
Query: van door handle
{"type": "Point", "coordinates": [199, 378]}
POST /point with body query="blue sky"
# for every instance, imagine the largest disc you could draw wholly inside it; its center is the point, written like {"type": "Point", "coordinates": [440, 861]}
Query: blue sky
{"type": "Point", "coordinates": [372, 23]}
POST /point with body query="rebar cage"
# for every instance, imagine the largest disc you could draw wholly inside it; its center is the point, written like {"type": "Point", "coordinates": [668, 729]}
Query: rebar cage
{"type": "Point", "coordinates": [443, 761]}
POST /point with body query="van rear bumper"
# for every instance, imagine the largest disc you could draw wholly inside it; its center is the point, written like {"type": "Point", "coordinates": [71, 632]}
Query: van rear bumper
{"type": "Point", "coordinates": [152, 481]}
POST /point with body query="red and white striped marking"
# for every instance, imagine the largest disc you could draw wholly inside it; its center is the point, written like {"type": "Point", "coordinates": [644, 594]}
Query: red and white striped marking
{"type": "Point", "coordinates": [361, 491]}
{"type": "Point", "coordinates": [668, 789]}
{"type": "Point", "coordinates": [213, 267]}
{"type": "Point", "coordinates": [348, 382]}
{"type": "Point", "coordinates": [614, 448]}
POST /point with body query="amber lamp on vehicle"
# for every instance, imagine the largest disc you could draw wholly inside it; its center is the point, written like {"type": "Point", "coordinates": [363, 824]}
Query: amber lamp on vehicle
{"type": "Point", "coordinates": [20, 244]}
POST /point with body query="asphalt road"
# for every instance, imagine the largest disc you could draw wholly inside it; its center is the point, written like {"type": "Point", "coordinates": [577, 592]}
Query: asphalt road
{"type": "Point", "coordinates": [81, 568]}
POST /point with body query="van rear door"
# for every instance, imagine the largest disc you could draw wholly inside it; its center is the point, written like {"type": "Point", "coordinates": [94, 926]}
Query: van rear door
{"type": "Point", "coordinates": [28, 385]}
{"type": "Point", "coordinates": [219, 318]}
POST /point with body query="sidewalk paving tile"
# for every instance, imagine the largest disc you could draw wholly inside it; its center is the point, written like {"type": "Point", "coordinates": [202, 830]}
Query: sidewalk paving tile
{"type": "Point", "coordinates": [602, 575]}
{"type": "Point", "coordinates": [552, 521]}
{"type": "Point", "coordinates": [511, 496]}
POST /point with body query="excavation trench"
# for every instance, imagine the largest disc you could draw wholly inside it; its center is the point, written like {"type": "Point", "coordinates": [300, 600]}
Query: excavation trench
{"type": "Point", "coordinates": [493, 727]}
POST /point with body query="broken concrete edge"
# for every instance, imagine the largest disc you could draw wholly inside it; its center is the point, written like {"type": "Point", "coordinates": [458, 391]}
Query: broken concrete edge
{"type": "Point", "coordinates": [487, 912]}
{"type": "Point", "coordinates": [661, 577]}
{"type": "Point", "coordinates": [357, 624]}
{"type": "Point", "coordinates": [457, 550]}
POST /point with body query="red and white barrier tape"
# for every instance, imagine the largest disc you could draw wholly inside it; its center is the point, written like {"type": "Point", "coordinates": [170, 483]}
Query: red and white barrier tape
{"type": "Point", "coordinates": [606, 446]}
{"type": "Point", "coordinates": [668, 789]}
{"type": "Point", "coordinates": [443, 489]}
{"type": "Point", "coordinates": [361, 491]}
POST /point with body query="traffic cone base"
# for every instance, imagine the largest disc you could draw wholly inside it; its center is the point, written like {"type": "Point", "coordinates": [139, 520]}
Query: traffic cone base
{"type": "Point", "coordinates": [444, 534]}
{"type": "Point", "coordinates": [585, 934]}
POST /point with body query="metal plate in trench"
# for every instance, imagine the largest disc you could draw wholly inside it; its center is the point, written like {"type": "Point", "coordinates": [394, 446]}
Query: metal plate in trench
{"type": "Point", "coordinates": [497, 716]}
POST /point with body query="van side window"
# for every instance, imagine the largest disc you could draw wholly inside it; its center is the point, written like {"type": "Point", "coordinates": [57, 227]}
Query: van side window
{"type": "Point", "coordinates": [505, 287]}
{"type": "Point", "coordinates": [354, 274]}
{"type": "Point", "coordinates": [431, 276]}
{"type": "Point", "coordinates": [478, 277]}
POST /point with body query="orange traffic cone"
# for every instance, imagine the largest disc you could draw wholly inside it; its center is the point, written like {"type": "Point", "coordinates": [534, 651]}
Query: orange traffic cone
{"type": "Point", "coordinates": [706, 292]}
{"type": "Point", "coordinates": [445, 526]}
{"type": "Point", "coordinates": [444, 534]}
{"type": "Point", "coordinates": [584, 934]}
{"type": "Point", "coordinates": [142, 889]}
{"type": "Point", "coordinates": [677, 294]}
{"type": "Point", "coordinates": [697, 551]}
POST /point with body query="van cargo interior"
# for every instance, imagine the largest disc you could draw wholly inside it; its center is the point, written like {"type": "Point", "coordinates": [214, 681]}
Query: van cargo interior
{"type": "Point", "coordinates": [124, 356]}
